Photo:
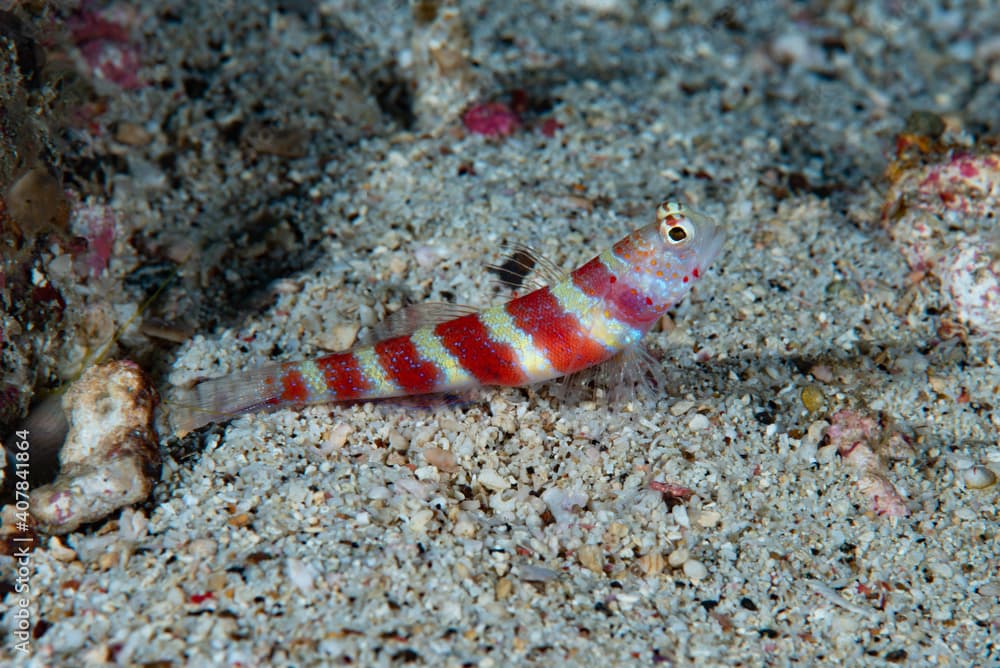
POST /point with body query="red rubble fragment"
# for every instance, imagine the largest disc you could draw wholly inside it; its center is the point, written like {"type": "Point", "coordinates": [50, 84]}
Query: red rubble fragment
{"type": "Point", "coordinates": [493, 119]}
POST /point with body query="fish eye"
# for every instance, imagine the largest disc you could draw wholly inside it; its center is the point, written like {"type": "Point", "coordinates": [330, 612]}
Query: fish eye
{"type": "Point", "coordinates": [678, 232]}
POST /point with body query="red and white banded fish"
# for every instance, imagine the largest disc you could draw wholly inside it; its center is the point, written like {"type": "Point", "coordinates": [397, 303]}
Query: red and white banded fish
{"type": "Point", "coordinates": [577, 321]}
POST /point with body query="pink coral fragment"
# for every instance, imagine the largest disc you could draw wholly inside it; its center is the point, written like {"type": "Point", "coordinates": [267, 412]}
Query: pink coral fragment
{"type": "Point", "coordinates": [850, 430]}
{"type": "Point", "coordinates": [114, 62]}
{"type": "Point", "coordinates": [857, 439]}
{"type": "Point", "coordinates": [107, 48]}
{"type": "Point", "coordinates": [942, 216]}
{"type": "Point", "coordinates": [98, 227]}
{"type": "Point", "coordinates": [493, 119]}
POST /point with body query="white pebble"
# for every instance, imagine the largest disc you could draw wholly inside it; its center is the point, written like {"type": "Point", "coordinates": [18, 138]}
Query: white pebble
{"type": "Point", "coordinates": [504, 503]}
{"type": "Point", "coordinates": [532, 573]}
{"type": "Point", "coordinates": [464, 528]}
{"type": "Point", "coordinates": [681, 516]}
{"type": "Point", "coordinates": [681, 407]}
{"type": "Point", "coordinates": [965, 514]}
{"type": "Point", "coordinates": [492, 480]}
{"type": "Point", "coordinates": [709, 518]}
{"type": "Point", "coordinates": [678, 557]}
{"type": "Point", "coordinates": [941, 613]}
{"type": "Point", "coordinates": [989, 589]}
{"type": "Point", "coordinates": [379, 493]}
{"type": "Point", "coordinates": [339, 337]}
{"type": "Point", "coordinates": [426, 473]}
{"type": "Point", "coordinates": [336, 438]}
{"type": "Point", "coordinates": [428, 257]}
{"type": "Point", "coordinates": [698, 423]}
{"type": "Point", "coordinates": [695, 570]}
{"type": "Point", "coordinates": [398, 442]}
{"type": "Point", "coordinates": [942, 569]}
{"type": "Point", "coordinates": [301, 574]}
{"type": "Point", "coordinates": [203, 548]}
{"type": "Point", "coordinates": [979, 477]}
{"type": "Point", "coordinates": [421, 519]}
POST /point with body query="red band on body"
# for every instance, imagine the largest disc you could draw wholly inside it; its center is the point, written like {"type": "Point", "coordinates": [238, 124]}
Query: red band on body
{"type": "Point", "coordinates": [343, 375]}
{"type": "Point", "coordinates": [403, 364]}
{"type": "Point", "coordinates": [555, 332]}
{"type": "Point", "coordinates": [491, 362]}
{"type": "Point", "coordinates": [594, 278]}
{"type": "Point", "coordinates": [293, 386]}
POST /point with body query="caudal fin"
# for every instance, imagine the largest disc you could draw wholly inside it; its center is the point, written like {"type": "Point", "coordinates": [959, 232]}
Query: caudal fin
{"type": "Point", "coordinates": [220, 399]}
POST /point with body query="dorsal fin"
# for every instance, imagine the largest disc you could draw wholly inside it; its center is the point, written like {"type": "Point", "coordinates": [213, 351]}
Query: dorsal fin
{"type": "Point", "coordinates": [411, 318]}
{"type": "Point", "coordinates": [522, 262]}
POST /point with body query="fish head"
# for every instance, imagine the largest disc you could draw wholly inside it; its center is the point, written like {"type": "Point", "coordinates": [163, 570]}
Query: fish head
{"type": "Point", "coordinates": [666, 258]}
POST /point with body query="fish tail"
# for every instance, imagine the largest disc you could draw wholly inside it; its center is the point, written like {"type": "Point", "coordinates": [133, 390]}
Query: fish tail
{"type": "Point", "coordinates": [223, 398]}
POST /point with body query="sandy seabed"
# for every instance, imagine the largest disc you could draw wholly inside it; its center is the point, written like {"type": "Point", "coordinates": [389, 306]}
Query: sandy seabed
{"type": "Point", "coordinates": [306, 153]}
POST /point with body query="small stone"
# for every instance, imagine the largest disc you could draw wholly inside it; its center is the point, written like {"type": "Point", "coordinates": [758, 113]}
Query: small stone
{"type": "Point", "coordinates": [698, 423]}
{"type": "Point", "coordinates": [678, 557]}
{"type": "Point", "coordinates": [990, 589]}
{"type": "Point", "coordinates": [217, 581]}
{"type": "Point", "coordinates": [812, 398]}
{"type": "Point", "coordinates": [815, 432]}
{"type": "Point", "coordinates": [465, 528]}
{"type": "Point", "coordinates": [681, 407]}
{"type": "Point", "coordinates": [504, 588]}
{"type": "Point", "coordinates": [939, 384]}
{"type": "Point", "coordinates": [421, 519]}
{"type": "Point", "coordinates": [202, 548]}
{"type": "Point", "coordinates": [822, 373]}
{"type": "Point", "coordinates": [397, 265]}
{"type": "Point", "coordinates": [337, 437]}
{"type": "Point", "coordinates": [921, 122]}
{"type": "Point", "coordinates": [60, 552]}
{"type": "Point", "coordinates": [301, 574]}
{"type": "Point", "coordinates": [965, 514]}
{"type": "Point", "coordinates": [695, 570]}
{"type": "Point", "coordinates": [109, 560]}
{"type": "Point", "coordinates": [36, 202]}
{"type": "Point", "coordinates": [652, 563]}
{"type": "Point", "coordinates": [591, 557]}
{"type": "Point", "coordinates": [441, 459]}
{"type": "Point", "coordinates": [979, 477]}
{"type": "Point", "coordinates": [942, 569]}
{"type": "Point", "coordinates": [398, 442]}
{"type": "Point", "coordinates": [241, 520]}
{"type": "Point", "coordinates": [941, 613]}
{"type": "Point", "coordinates": [97, 655]}
{"type": "Point", "coordinates": [132, 134]}
{"type": "Point", "coordinates": [533, 573]}
{"type": "Point", "coordinates": [492, 480]}
{"type": "Point", "coordinates": [709, 518]}
{"type": "Point", "coordinates": [617, 531]}
{"type": "Point", "coordinates": [338, 337]}
{"type": "Point", "coordinates": [680, 515]}
{"type": "Point", "coordinates": [379, 493]}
